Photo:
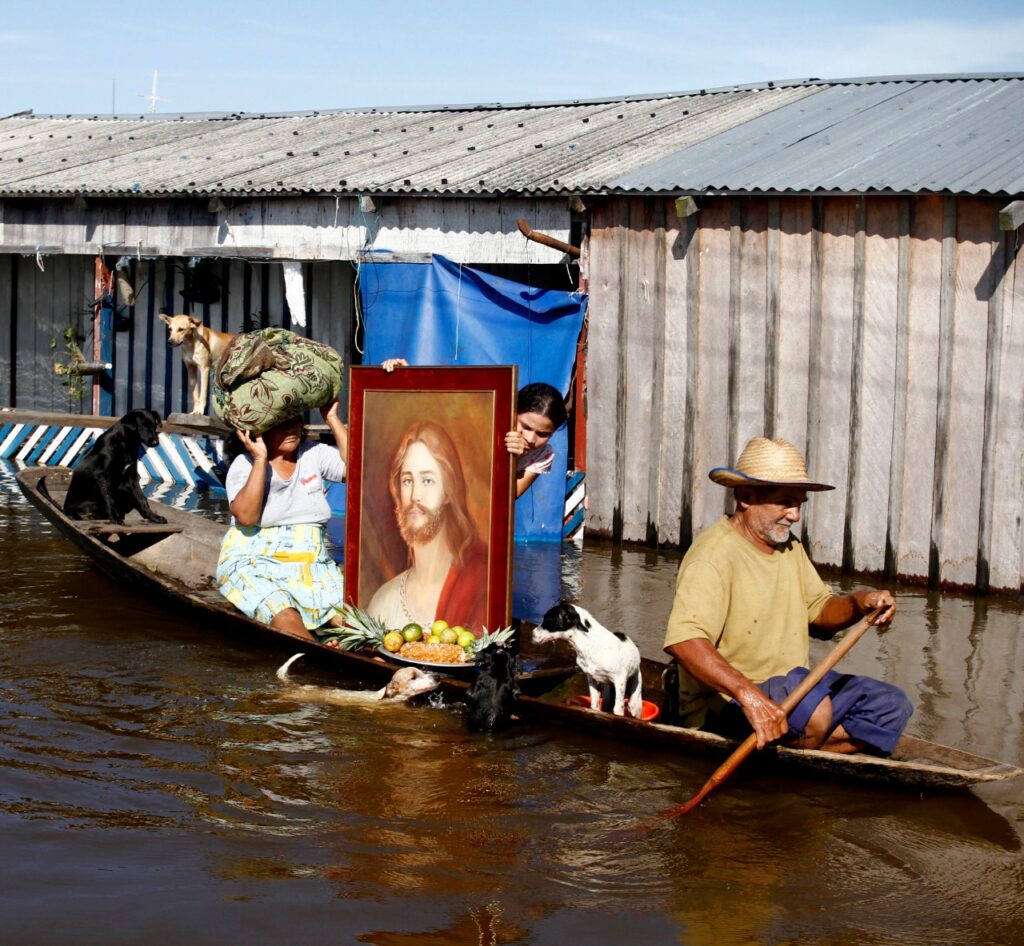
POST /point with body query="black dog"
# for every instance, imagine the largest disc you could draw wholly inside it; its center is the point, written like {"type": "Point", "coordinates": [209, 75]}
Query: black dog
{"type": "Point", "coordinates": [105, 484]}
{"type": "Point", "coordinates": [493, 693]}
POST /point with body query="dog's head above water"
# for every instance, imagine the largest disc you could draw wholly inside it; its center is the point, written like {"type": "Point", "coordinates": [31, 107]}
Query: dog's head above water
{"type": "Point", "coordinates": [492, 696]}
{"type": "Point", "coordinates": [408, 682]}
{"type": "Point", "coordinates": [498, 660]}
{"type": "Point", "coordinates": [405, 684]}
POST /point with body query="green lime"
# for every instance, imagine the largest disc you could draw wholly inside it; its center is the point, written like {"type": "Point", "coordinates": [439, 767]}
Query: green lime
{"type": "Point", "coordinates": [412, 632]}
{"type": "Point", "coordinates": [438, 626]}
{"type": "Point", "coordinates": [448, 636]}
{"type": "Point", "coordinates": [465, 638]}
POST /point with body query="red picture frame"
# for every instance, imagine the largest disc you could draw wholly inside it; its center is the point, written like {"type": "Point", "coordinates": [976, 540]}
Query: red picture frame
{"type": "Point", "coordinates": [394, 422]}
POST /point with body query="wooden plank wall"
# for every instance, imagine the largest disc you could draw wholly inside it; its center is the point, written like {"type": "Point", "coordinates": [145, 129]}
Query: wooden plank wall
{"type": "Point", "coordinates": [877, 334]}
{"type": "Point", "coordinates": [38, 301]}
{"type": "Point", "coordinates": [466, 230]}
{"type": "Point", "coordinates": [37, 305]}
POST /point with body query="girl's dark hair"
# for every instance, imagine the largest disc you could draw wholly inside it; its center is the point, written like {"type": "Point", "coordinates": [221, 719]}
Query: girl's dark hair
{"type": "Point", "coordinates": [541, 398]}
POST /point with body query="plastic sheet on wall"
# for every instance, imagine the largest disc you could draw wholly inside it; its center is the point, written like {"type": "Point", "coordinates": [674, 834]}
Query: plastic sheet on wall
{"type": "Point", "coordinates": [444, 313]}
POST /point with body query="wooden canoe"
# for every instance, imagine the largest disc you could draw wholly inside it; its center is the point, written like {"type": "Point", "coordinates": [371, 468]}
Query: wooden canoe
{"type": "Point", "coordinates": [173, 565]}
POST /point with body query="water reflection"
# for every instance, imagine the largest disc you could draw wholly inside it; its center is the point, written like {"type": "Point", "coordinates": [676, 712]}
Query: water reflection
{"type": "Point", "coordinates": [156, 773]}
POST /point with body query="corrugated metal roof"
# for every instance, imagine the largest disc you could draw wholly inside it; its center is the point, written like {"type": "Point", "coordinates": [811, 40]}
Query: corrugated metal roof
{"type": "Point", "coordinates": [963, 136]}
{"type": "Point", "coordinates": [905, 134]}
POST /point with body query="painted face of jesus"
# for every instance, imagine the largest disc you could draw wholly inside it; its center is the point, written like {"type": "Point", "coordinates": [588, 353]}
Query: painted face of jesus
{"type": "Point", "coordinates": [421, 495]}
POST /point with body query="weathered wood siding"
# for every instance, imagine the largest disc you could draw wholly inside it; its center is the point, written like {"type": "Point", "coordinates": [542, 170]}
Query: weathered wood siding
{"type": "Point", "coordinates": [299, 228]}
{"type": "Point", "coordinates": [37, 305]}
{"type": "Point", "coordinates": [882, 335]}
{"type": "Point", "coordinates": [245, 238]}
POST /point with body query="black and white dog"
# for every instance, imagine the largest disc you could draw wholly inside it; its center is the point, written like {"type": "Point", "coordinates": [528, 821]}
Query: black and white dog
{"type": "Point", "coordinates": [493, 693]}
{"type": "Point", "coordinates": [105, 484]}
{"type": "Point", "coordinates": [606, 657]}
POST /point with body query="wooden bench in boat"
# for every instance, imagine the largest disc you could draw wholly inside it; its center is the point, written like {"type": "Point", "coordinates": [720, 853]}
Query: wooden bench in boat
{"type": "Point", "coordinates": [134, 528]}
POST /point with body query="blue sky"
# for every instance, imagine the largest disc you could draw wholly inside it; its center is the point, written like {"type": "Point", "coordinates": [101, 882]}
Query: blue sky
{"type": "Point", "coordinates": [253, 56]}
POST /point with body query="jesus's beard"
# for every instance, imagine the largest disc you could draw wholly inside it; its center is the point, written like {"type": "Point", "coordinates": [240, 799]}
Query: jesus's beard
{"type": "Point", "coordinates": [423, 532]}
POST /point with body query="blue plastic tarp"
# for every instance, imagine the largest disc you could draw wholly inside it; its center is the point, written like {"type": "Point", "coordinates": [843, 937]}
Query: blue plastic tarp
{"type": "Point", "coordinates": [443, 313]}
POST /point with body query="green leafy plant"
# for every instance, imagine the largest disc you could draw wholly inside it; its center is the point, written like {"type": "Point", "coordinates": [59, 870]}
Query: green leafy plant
{"type": "Point", "coordinates": [360, 631]}
{"type": "Point", "coordinates": [500, 636]}
{"type": "Point", "coordinates": [67, 363]}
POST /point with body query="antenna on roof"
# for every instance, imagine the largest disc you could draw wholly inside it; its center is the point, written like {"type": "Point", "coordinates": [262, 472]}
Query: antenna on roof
{"type": "Point", "coordinates": [153, 97]}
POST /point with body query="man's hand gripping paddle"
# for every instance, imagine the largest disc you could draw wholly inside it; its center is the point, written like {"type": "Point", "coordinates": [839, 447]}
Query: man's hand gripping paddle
{"type": "Point", "coordinates": [730, 765]}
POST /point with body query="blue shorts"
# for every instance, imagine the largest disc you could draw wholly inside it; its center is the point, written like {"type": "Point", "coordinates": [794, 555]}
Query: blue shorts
{"type": "Point", "coordinates": [869, 710]}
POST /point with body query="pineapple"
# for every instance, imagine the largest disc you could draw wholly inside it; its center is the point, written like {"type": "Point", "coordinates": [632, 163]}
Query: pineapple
{"type": "Point", "coordinates": [361, 631]}
{"type": "Point", "coordinates": [501, 636]}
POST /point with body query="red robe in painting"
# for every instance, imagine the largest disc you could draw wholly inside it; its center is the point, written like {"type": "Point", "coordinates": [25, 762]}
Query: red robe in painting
{"type": "Point", "coordinates": [464, 593]}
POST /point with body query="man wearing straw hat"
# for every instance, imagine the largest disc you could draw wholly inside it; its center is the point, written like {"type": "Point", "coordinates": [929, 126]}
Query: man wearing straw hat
{"type": "Point", "coordinates": [747, 596]}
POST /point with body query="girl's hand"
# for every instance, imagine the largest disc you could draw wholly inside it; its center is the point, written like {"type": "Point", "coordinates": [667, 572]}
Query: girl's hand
{"type": "Point", "coordinates": [389, 364]}
{"type": "Point", "coordinates": [254, 444]}
{"type": "Point", "coordinates": [515, 443]}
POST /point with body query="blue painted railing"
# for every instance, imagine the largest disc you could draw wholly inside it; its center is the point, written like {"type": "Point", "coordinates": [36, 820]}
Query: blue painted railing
{"type": "Point", "coordinates": [178, 458]}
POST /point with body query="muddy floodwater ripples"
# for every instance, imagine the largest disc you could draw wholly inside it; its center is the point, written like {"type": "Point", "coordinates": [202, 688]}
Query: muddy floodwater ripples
{"type": "Point", "coordinates": [158, 784]}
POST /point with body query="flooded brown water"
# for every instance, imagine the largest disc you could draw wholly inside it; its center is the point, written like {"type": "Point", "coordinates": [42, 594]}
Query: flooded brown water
{"type": "Point", "coordinates": [158, 785]}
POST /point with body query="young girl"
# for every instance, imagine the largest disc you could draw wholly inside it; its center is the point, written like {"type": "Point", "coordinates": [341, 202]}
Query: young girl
{"type": "Point", "coordinates": [540, 411]}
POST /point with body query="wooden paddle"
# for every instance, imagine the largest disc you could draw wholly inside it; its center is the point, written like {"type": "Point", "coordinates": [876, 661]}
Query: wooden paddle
{"type": "Point", "coordinates": [734, 761]}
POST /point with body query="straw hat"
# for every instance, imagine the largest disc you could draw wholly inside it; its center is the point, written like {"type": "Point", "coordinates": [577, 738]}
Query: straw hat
{"type": "Point", "coordinates": [766, 462]}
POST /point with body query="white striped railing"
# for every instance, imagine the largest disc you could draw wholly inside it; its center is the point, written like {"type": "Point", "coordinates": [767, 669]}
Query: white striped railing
{"type": "Point", "coordinates": [178, 458]}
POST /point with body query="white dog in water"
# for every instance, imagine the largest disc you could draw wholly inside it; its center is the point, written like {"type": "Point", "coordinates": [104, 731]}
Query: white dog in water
{"type": "Point", "coordinates": [406, 683]}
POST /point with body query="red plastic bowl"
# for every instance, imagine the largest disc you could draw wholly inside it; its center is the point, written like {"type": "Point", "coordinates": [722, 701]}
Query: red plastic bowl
{"type": "Point", "coordinates": [649, 712]}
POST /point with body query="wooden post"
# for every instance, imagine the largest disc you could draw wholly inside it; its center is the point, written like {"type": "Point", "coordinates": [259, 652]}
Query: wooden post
{"type": "Point", "coordinates": [579, 397]}
{"type": "Point", "coordinates": [686, 206]}
{"type": "Point", "coordinates": [1012, 215]}
{"type": "Point", "coordinates": [103, 338]}
{"type": "Point", "coordinates": [579, 393]}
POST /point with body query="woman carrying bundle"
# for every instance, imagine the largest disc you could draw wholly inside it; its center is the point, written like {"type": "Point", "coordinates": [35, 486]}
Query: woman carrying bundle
{"type": "Point", "coordinates": [274, 565]}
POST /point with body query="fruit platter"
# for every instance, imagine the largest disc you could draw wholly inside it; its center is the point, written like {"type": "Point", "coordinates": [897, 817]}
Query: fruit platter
{"type": "Point", "coordinates": [439, 645]}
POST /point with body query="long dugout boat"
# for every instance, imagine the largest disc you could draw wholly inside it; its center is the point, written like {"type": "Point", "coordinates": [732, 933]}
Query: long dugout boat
{"type": "Point", "coordinates": [173, 565]}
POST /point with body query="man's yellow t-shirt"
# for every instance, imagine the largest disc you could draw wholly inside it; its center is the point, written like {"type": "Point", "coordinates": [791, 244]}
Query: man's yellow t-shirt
{"type": "Point", "coordinates": [754, 607]}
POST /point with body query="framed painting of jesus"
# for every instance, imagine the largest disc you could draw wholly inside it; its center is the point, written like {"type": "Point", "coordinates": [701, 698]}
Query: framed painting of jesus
{"type": "Point", "coordinates": [430, 495]}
